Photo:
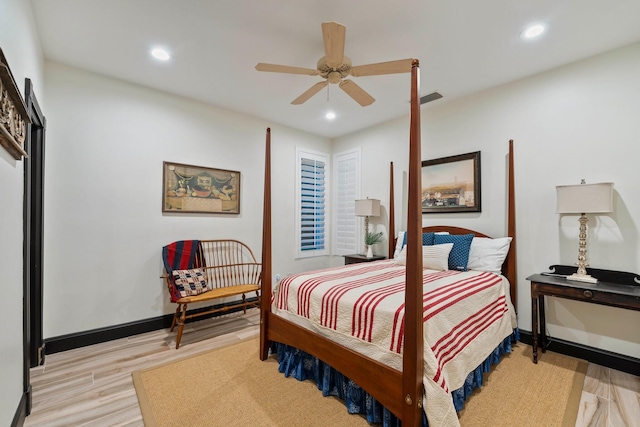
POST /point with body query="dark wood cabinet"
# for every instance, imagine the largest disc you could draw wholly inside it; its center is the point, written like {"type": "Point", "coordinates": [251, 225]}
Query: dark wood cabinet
{"type": "Point", "coordinates": [356, 258]}
{"type": "Point", "coordinates": [616, 289]}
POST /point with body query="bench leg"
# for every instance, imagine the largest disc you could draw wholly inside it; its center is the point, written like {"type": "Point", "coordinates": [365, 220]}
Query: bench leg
{"type": "Point", "coordinates": [181, 325]}
{"type": "Point", "coordinates": [175, 318]}
{"type": "Point", "coordinates": [244, 303]}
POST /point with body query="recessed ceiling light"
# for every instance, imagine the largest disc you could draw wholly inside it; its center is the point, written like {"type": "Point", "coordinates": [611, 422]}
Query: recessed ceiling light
{"type": "Point", "coordinates": [330, 115]}
{"type": "Point", "coordinates": [533, 31]}
{"type": "Point", "coordinates": [160, 54]}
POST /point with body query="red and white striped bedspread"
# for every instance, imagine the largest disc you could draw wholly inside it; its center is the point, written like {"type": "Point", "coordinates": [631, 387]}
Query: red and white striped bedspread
{"type": "Point", "coordinates": [361, 306]}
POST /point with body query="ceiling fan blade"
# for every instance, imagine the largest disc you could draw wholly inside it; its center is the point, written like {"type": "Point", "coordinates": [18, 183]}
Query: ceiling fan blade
{"type": "Point", "coordinates": [333, 35]}
{"type": "Point", "coordinates": [356, 92]}
{"type": "Point", "coordinates": [274, 68]}
{"type": "Point", "coordinates": [309, 93]}
{"type": "Point", "coordinates": [391, 67]}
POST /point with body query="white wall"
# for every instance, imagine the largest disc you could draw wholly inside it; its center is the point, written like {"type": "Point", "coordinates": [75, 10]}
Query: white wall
{"type": "Point", "coordinates": [104, 229]}
{"type": "Point", "coordinates": [20, 46]}
{"type": "Point", "coordinates": [578, 121]}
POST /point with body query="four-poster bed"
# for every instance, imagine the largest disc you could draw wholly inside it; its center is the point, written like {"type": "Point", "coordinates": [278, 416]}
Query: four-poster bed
{"type": "Point", "coordinates": [400, 389]}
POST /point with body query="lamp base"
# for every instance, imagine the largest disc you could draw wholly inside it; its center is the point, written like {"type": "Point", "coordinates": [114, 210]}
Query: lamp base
{"type": "Point", "coordinates": [582, 278]}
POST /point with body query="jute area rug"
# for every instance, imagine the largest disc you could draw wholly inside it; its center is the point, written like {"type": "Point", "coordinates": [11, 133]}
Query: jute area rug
{"type": "Point", "coordinates": [518, 392]}
{"type": "Point", "coordinates": [232, 387]}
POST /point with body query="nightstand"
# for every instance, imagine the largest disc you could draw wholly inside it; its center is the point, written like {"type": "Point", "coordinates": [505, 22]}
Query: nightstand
{"type": "Point", "coordinates": [356, 258]}
{"type": "Point", "coordinates": [615, 288]}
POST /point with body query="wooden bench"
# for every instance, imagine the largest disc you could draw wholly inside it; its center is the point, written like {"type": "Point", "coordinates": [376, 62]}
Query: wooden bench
{"type": "Point", "coordinates": [230, 267]}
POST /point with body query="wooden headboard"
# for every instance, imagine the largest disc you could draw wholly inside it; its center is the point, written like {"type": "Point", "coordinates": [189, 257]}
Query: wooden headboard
{"type": "Point", "coordinates": [452, 230]}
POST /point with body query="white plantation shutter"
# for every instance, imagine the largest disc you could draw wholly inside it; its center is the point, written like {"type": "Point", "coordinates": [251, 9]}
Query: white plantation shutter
{"type": "Point", "coordinates": [312, 219]}
{"type": "Point", "coordinates": [346, 191]}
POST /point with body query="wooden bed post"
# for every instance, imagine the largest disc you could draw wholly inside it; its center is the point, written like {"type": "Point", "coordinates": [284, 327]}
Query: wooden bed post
{"type": "Point", "coordinates": [392, 219]}
{"type": "Point", "coordinates": [412, 357]}
{"type": "Point", "coordinates": [265, 295]}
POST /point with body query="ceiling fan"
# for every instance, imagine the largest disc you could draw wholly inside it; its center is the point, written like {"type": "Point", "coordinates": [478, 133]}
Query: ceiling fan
{"type": "Point", "coordinates": [334, 67]}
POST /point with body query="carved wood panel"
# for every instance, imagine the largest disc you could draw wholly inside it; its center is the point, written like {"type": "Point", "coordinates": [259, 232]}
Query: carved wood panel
{"type": "Point", "coordinates": [13, 113]}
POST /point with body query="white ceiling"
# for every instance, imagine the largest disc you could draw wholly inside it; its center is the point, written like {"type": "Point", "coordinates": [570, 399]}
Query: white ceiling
{"type": "Point", "coordinates": [464, 46]}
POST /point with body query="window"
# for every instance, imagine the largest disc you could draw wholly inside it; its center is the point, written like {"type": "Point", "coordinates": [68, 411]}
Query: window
{"type": "Point", "coordinates": [311, 220]}
{"type": "Point", "coordinates": [346, 191]}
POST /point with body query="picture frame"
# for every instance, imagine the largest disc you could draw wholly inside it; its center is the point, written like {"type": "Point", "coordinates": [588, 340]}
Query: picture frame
{"type": "Point", "coordinates": [199, 189]}
{"type": "Point", "coordinates": [452, 184]}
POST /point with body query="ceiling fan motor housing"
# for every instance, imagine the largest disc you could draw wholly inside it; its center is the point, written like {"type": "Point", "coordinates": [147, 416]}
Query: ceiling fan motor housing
{"type": "Point", "coordinates": [334, 75]}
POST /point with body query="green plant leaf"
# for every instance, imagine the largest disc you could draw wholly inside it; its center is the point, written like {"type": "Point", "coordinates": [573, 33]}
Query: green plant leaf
{"type": "Point", "coordinates": [373, 238]}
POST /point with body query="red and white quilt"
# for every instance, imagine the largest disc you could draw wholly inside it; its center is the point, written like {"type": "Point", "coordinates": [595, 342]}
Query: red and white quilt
{"type": "Point", "coordinates": [361, 306]}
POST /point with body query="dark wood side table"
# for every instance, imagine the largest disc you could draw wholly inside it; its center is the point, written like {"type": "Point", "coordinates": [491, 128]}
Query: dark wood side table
{"type": "Point", "coordinates": [615, 288]}
{"type": "Point", "coordinates": [356, 258]}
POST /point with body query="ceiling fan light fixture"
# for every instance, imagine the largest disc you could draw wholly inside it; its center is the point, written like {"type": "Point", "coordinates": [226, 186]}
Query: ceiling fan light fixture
{"type": "Point", "coordinates": [334, 77]}
{"type": "Point", "coordinates": [330, 115]}
{"type": "Point", "coordinates": [160, 53]}
{"type": "Point", "coordinates": [533, 31]}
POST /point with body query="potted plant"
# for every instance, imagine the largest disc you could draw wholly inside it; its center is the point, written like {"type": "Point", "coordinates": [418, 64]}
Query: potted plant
{"type": "Point", "coordinates": [371, 239]}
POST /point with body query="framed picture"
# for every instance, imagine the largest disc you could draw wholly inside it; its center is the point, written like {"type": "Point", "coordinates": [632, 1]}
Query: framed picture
{"type": "Point", "coordinates": [197, 189]}
{"type": "Point", "coordinates": [451, 184]}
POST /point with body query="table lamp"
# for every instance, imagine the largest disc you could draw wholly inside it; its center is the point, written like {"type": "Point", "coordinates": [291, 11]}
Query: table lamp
{"type": "Point", "coordinates": [366, 208]}
{"type": "Point", "coordinates": [583, 199]}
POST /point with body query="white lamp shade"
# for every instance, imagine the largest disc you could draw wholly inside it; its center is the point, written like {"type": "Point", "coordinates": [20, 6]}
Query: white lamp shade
{"type": "Point", "coordinates": [368, 207]}
{"type": "Point", "coordinates": [585, 198]}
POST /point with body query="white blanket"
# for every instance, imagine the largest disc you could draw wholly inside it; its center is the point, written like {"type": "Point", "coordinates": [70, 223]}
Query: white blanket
{"type": "Point", "coordinates": [361, 306]}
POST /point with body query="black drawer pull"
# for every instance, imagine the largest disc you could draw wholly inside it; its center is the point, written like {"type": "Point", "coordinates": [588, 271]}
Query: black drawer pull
{"type": "Point", "coordinates": [588, 294]}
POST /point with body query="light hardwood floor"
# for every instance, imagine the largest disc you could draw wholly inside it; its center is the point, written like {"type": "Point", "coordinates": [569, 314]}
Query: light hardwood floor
{"type": "Point", "coordinates": [92, 386]}
{"type": "Point", "coordinates": [610, 398]}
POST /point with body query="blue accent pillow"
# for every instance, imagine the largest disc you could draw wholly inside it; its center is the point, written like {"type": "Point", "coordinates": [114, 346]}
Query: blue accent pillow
{"type": "Point", "coordinates": [459, 255]}
{"type": "Point", "coordinates": [427, 239]}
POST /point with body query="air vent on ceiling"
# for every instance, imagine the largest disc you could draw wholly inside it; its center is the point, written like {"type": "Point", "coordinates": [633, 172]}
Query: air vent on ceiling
{"type": "Point", "coordinates": [431, 97]}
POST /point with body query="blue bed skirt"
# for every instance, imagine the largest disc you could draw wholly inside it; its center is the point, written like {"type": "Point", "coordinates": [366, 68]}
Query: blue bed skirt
{"type": "Point", "coordinates": [303, 366]}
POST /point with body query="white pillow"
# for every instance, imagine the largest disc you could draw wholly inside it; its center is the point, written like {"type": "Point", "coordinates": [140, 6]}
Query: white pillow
{"type": "Point", "coordinates": [400, 241]}
{"type": "Point", "coordinates": [488, 254]}
{"type": "Point", "coordinates": [434, 257]}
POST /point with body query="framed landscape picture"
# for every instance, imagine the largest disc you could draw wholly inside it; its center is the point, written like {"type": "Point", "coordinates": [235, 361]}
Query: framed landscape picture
{"type": "Point", "coordinates": [198, 189]}
{"type": "Point", "coordinates": [451, 184]}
